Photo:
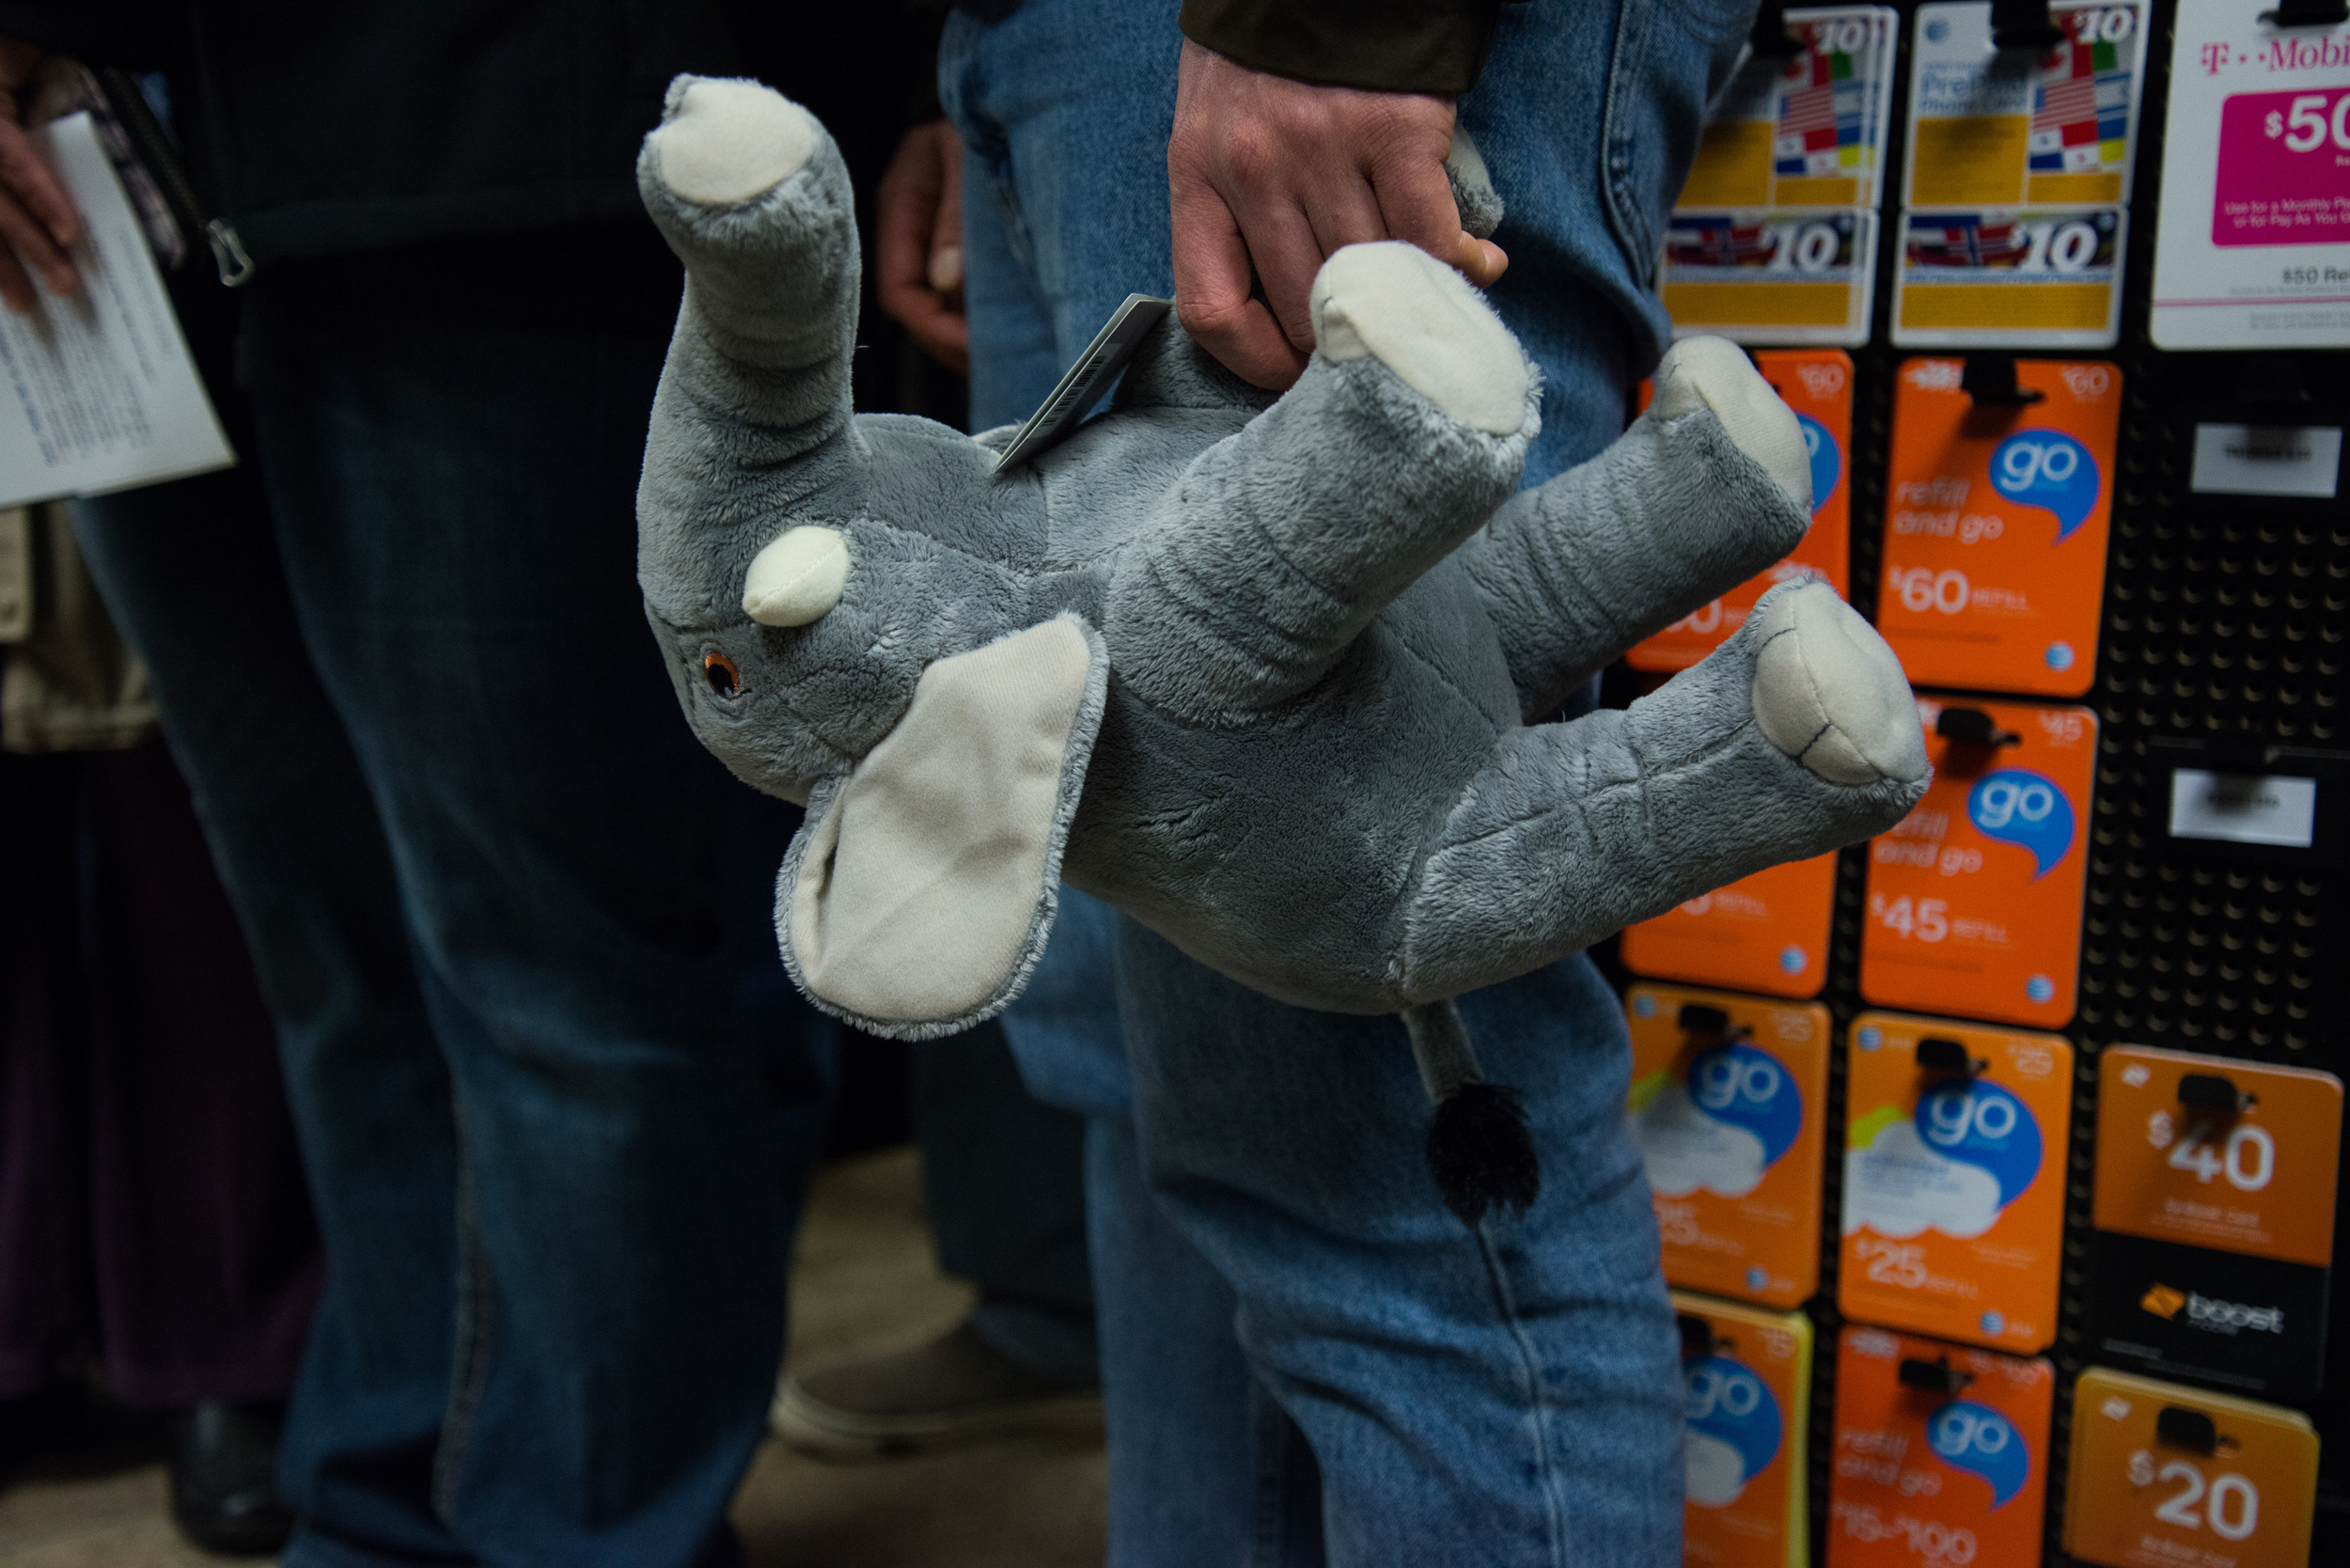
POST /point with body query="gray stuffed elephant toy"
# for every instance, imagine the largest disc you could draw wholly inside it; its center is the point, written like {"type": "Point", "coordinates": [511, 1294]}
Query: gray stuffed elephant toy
{"type": "Point", "coordinates": [1258, 672]}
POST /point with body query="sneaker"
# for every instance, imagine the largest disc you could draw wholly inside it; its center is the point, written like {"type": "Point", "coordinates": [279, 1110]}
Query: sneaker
{"type": "Point", "coordinates": [954, 1390]}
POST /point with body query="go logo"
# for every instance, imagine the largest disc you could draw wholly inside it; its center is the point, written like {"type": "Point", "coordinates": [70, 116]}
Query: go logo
{"type": "Point", "coordinates": [1982, 1125]}
{"type": "Point", "coordinates": [1734, 1428]}
{"type": "Point", "coordinates": [2048, 469]}
{"type": "Point", "coordinates": [1828, 461]}
{"type": "Point", "coordinates": [1748, 1087]}
{"type": "Point", "coordinates": [2019, 806]}
{"type": "Point", "coordinates": [1982, 1442]}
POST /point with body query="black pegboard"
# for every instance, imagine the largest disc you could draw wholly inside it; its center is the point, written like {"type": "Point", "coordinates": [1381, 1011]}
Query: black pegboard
{"type": "Point", "coordinates": [2222, 638]}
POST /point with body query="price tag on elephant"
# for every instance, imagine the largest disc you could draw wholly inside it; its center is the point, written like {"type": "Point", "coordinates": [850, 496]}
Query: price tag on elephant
{"type": "Point", "coordinates": [2218, 1153]}
{"type": "Point", "coordinates": [1729, 1101]}
{"type": "Point", "coordinates": [2169, 1477]}
{"type": "Point", "coordinates": [1746, 1379]}
{"type": "Point", "coordinates": [1991, 127]}
{"type": "Point", "coordinates": [1767, 932]}
{"type": "Point", "coordinates": [2252, 235]}
{"type": "Point", "coordinates": [1974, 901]}
{"type": "Point", "coordinates": [1770, 276]}
{"type": "Point", "coordinates": [1806, 129]}
{"type": "Point", "coordinates": [2010, 278]}
{"type": "Point", "coordinates": [1940, 1455]}
{"type": "Point", "coordinates": [1087, 380]}
{"type": "Point", "coordinates": [1816, 384]}
{"type": "Point", "coordinates": [1996, 523]}
{"type": "Point", "coordinates": [1955, 1142]}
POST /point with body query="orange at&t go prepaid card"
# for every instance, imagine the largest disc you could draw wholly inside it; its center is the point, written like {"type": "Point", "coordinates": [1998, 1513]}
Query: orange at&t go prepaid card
{"type": "Point", "coordinates": [1995, 526]}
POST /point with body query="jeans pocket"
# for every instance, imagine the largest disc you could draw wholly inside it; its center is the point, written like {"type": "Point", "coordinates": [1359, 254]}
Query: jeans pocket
{"type": "Point", "coordinates": [1670, 58]}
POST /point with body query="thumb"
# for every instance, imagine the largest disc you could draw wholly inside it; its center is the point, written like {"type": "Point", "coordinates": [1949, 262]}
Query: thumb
{"type": "Point", "coordinates": [946, 263]}
{"type": "Point", "coordinates": [1480, 261]}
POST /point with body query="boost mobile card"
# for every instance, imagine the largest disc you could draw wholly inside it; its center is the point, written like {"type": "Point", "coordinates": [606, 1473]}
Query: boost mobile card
{"type": "Point", "coordinates": [2215, 1220]}
{"type": "Point", "coordinates": [1974, 902]}
{"type": "Point", "coordinates": [2004, 128]}
{"type": "Point", "coordinates": [1954, 1143]}
{"type": "Point", "coordinates": [1816, 384]}
{"type": "Point", "coordinates": [1996, 523]}
{"type": "Point", "coordinates": [1746, 1378]}
{"type": "Point", "coordinates": [2213, 1152]}
{"type": "Point", "coordinates": [2165, 1477]}
{"type": "Point", "coordinates": [1940, 1455]}
{"type": "Point", "coordinates": [1729, 1097]}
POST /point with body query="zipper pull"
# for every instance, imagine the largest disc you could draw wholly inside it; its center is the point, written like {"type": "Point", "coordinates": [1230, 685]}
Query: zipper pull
{"type": "Point", "coordinates": [236, 267]}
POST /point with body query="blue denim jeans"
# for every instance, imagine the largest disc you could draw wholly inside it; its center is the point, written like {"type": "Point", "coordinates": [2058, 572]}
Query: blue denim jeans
{"type": "Point", "coordinates": [1308, 1360]}
{"type": "Point", "coordinates": [483, 868]}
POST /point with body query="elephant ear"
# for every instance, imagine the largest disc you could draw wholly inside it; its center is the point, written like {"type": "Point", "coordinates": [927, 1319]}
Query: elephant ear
{"type": "Point", "coordinates": [917, 895]}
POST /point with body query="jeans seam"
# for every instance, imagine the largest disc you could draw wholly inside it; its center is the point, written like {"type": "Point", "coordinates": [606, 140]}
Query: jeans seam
{"type": "Point", "coordinates": [475, 1318]}
{"type": "Point", "coordinates": [1539, 1412]}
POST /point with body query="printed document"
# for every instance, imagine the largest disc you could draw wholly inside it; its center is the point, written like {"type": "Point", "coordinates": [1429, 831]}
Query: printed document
{"type": "Point", "coordinates": [97, 389]}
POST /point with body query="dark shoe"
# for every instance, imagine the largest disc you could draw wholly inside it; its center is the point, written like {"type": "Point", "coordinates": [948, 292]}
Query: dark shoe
{"type": "Point", "coordinates": [224, 1478]}
{"type": "Point", "coordinates": [954, 1390]}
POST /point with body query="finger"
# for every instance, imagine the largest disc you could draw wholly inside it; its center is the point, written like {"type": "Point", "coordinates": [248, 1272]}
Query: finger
{"type": "Point", "coordinates": [903, 208]}
{"type": "Point", "coordinates": [1345, 212]}
{"type": "Point", "coordinates": [941, 332]}
{"type": "Point", "coordinates": [1211, 291]}
{"type": "Point", "coordinates": [946, 265]}
{"type": "Point", "coordinates": [16, 289]}
{"type": "Point", "coordinates": [24, 172]}
{"type": "Point", "coordinates": [35, 250]}
{"type": "Point", "coordinates": [1280, 243]}
{"type": "Point", "coordinates": [1415, 202]}
{"type": "Point", "coordinates": [1480, 261]}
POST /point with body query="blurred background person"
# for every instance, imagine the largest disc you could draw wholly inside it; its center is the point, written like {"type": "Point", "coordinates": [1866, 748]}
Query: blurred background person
{"type": "Point", "coordinates": [154, 1227]}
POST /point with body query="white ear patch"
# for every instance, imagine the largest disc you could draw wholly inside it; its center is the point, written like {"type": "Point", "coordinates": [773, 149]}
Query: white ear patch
{"type": "Point", "coordinates": [919, 888]}
{"type": "Point", "coordinates": [1399, 304]}
{"type": "Point", "coordinates": [1714, 372]}
{"type": "Point", "coordinates": [1829, 693]}
{"type": "Point", "coordinates": [729, 141]}
{"type": "Point", "coordinates": [797, 578]}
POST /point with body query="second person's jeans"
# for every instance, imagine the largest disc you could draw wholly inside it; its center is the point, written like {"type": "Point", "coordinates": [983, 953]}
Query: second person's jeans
{"type": "Point", "coordinates": [1306, 1358]}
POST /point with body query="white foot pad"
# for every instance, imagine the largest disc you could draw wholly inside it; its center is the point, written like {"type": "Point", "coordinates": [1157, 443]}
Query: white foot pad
{"type": "Point", "coordinates": [1401, 306]}
{"type": "Point", "coordinates": [729, 141]}
{"type": "Point", "coordinates": [1714, 372]}
{"type": "Point", "coordinates": [1829, 693]}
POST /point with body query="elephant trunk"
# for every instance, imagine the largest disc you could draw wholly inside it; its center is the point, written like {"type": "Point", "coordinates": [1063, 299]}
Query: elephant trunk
{"type": "Point", "coordinates": [751, 194]}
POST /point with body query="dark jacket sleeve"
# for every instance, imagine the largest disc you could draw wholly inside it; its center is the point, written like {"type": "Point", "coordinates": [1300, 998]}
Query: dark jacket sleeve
{"type": "Point", "coordinates": [1435, 46]}
{"type": "Point", "coordinates": [129, 33]}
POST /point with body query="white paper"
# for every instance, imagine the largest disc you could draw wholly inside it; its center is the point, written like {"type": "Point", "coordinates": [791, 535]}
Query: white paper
{"type": "Point", "coordinates": [2243, 810]}
{"type": "Point", "coordinates": [2237, 185]}
{"type": "Point", "coordinates": [97, 390]}
{"type": "Point", "coordinates": [2267, 460]}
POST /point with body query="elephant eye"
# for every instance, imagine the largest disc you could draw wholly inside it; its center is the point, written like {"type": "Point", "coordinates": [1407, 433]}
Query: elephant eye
{"type": "Point", "coordinates": [719, 671]}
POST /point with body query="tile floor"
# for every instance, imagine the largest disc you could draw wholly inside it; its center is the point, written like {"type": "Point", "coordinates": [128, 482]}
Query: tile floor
{"type": "Point", "coordinates": [865, 1282]}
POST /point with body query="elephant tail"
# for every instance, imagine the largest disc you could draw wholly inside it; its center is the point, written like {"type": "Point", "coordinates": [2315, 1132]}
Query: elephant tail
{"type": "Point", "coordinates": [1479, 1147]}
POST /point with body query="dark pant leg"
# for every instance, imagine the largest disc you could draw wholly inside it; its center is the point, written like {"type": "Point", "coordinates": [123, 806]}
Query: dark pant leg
{"type": "Point", "coordinates": [1003, 1177]}
{"type": "Point", "coordinates": [45, 1310]}
{"type": "Point", "coordinates": [192, 572]}
{"type": "Point", "coordinates": [207, 1261]}
{"type": "Point", "coordinates": [452, 442]}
